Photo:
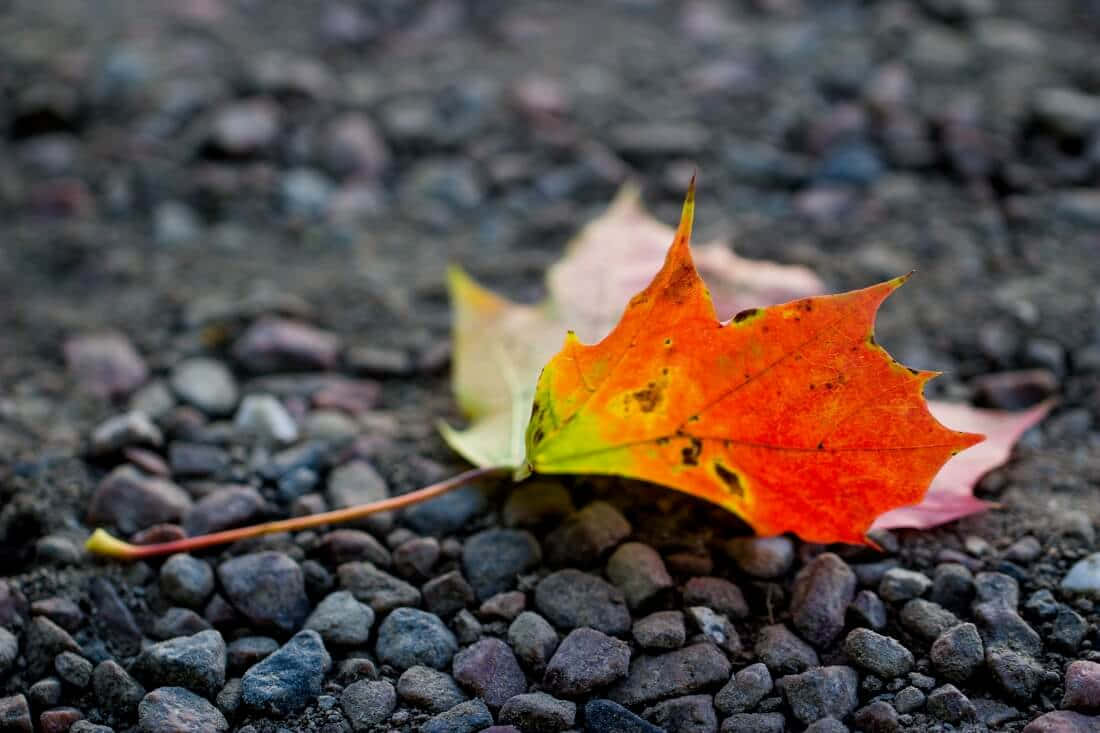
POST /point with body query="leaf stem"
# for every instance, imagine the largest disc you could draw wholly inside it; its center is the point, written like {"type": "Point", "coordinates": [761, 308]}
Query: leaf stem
{"type": "Point", "coordinates": [102, 543]}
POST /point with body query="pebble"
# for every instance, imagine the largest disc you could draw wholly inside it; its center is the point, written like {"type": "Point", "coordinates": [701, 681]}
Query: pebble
{"type": "Point", "coordinates": [820, 596]}
{"type": "Point", "coordinates": [341, 620]}
{"type": "Point", "coordinates": [585, 536]}
{"type": "Point", "coordinates": [73, 669]}
{"type": "Point", "coordinates": [61, 611]}
{"type": "Point", "coordinates": [416, 557]}
{"type": "Point", "coordinates": [679, 672]}
{"type": "Point", "coordinates": [493, 559]}
{"type": "Point", "coordinates": [1014, 390]}
{"type": "Point", "coordinates": [86, 726]}
{"type": "Point", "coordinates": [122, 431]}
{"type": "Point", "coordinates": [409, 637]}
{"type": "Point", "coordinates": [1068, 630]}
{"type": "Point", "coordinates": [46, 693]}
{"type": "Point", "coordinates": [196, 460]}
{"type": "Point", "coordinates": [606, 715]}
{"type": "Point", "coordinates": [926, 619]}
{"type": "Point", "coordinates": [131, 501]}
{"type": "Point", "coordinates": [639, 572]}
{"type": "Point", "coordinates": [949, 705]}
{"type": "Point", "coordinates": [466, 626]}
{"type": "Point", "coordinates": [377, 588]}
{"type": "Point", "coordinates": [264, 416]}
{"type": "Point", "coordinates": [1001, 626]}
{"type": "Point", "coordinates": [538, 712]}
{"type": "Point", "coordinates": [1062, 721]}
{"type": "Point", "coordinates": [878, 654]}
{"type": "Point", "coordinates": [42, 641]}
{"type": "Point", "coordinates": [958, 652]}
{"type": "Point", "coordinates": [288, 679]}
{"type": "Point", "coordinates": [996, 588]}
{"type": "Point", "coordinates": [283, 345]}
{"type": "Point", "coordinates": [570, 598]}
{"type": "Point", "coordinates": [536, 503]}
{"type": "Point", "coordinates": [105, 364]}
{"type": "Point", "coordinates": [206, 384]}
{"type": "Point", "coordinates": [225, 508]}
{"type": "Point", "coordinates": [305, 194]}
{"type": "Point", "coordinates": [1084, 577]}
{"type": "Point", "coordinates": [783, 652]}
{"type": "Point", "coordinates": [952, 587]}
{"type": "Point", "coordinates": [115, 688]}
{"type": "Point", "coordinates": [718, 594]}
{"type": "Point", "coordinates": [367, 703]}
{"type": "Point", "coordinates": [195, 662]}
{"type": "Point", "coordinates": [186, 580]}
{"type": "Point", "coordinates": [820, 692]}
{"type": "Point", "coordinates": [691, 714]}
{"type": "Point", "coordinates": [9, 650]}
{"type": "Point", "coordinates": [357, 482]}
{"type": "Point", "coordinates": [242, 653]}
{"type": "Point", "coordinates": [430, 689]}
{"type": "Point", "coordinates": [826, 725]}
{"type": "Point", "coordinates": [533, 640]}
{"type": "Point", "coordinates": [154, 399]}
{"type": "Point", "coordinates": [744, 690]}
{"type": "Point", "coordinates": [448, 513]}
{"type": "Point", "coordinates": [1068, 112]}
{"type": "Point", "coordinates": [268, 588]}
{"type": "Point", "coordinates": [505, 606]}
{"type": "Point", "coordinates": [866, 609]}
{"type": "Point", "coordinates": [908, 700]}
{"type": "Point", "coordinates": [660, 630]}
{"type": "Point", "coordinates": [179, 622]}
{"type": "Point", "coordinates": [245, 127]}
{"type": "Point", "coordinates": [176, 710]}
{"type": "Point", "coordinates": [1082, 686]}
{"type": "Point", "coordinates": [229, 698]}
{"type": "Point", "coordinates": [466, 717]}
{"type": "Point", "coordinates": [348, 545]}
{"type": "Point", "coordinates": [447, 593]}
{"type": "Point", "coordinates": [490, 671]}
{"type": "Point", "coordinates": [755, 723]}
{"type": "Point", "coordinates": [716, 627]}
{"type": "Point", "coordinates": [584, 661]}
{"type": "Point", "coordinates": [1042, 604]}
{"type": "Point", "coordinates": [899, 584]}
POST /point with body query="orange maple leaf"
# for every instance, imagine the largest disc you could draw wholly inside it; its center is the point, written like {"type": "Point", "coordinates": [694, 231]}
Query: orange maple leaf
{"type": "Point", "coordinates": [790, 416]}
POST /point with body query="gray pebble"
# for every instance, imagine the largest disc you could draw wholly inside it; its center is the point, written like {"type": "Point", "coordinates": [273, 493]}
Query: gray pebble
{"type": "Point", "coordinates": [949, 705]}
{"type": "Point", "coordinates": [820, 596]}
{"type": "Point", "coordinates": [926, 619]}
{"type": "Point", "coordinates": [207, 384]}
{"type": "Point", "coordinates": [268, 588]}
{"type": "Point", "coordinates": [367, 704]}
{"type": "Point", "coordinates": [691, 714]}
{"type": "Point", "coordinates": [762, 557]}
{"type": "Point", "coordinates": [121, 431]}
{"type": "Point", "coordinates": [866, 609]}
{"type": "Point", "coordinates": [908, 700]}
{"type": "Point", "coordinates": [755, 723]}
{"type": "Point", "coordinates": [377, 588]}
{"type": "Point", "coordinates": [783, 652]}
{"type": "Point", "coordinates": [115, 689]}
{"type": "Point", "coordinates": [9, 650]}
{"type": "Point", "coordinates": [1068, 630]}
{"type": "Point", "coordinates": [46, 693]}
{"type": "Point", "coordinates": [570, 598]}
{"type": "Point", "coordinates": [586, 535]}
{"type": "Point", "coordinates": [288, 679]}
{"type": "Point", "coordinates": [744, 690]}
{"type": "Point", "coordinates": [660, 630]}
{"type": "Point", "coordinates": [680, 672]}
{"type": "Point", "coordinates": [186, 580]}
{"type": "Point", "coordinates": [878, 717]}
{"type": "Point", "coordinates": [247, 650]}
{"type": "Point", "coordinates": [878, 654]}
{"type": "Point", "coordinates": [341, 620]}
{"type": "Point", "coordinates": [584, 661]}
{"type": "Point", "coordinates": [716, 627]}
{"type": "Point", "coordinates": [448, 513]}
{"type": "Point", "coordinates": [718, 594]}
{"type": "Point", "coordinates": [174, 709]}
{"type": "Point", "coordinates": [466, 717]}
{"type": "Point", "coordinates": [538, 712]}
{"type": "Point", "coordinates": [899, 584]}
{"type": "Point", "coordinates": [997, 588]}
{"type": "Point", "coordinates": [225, 508]}
{"type": "Point", "coordinates": [952, 587]}
{"type": "Point", "coordinates": [639, 572]}
{"type": "Point", "coordinates": [605, 715]}
{"type": "Point", "coordinates": [958, 652]}
{"type": "Point", "coordinates": [1082, 686]}
{"type": "Point", "coordinates": [132, 501]}
{"type": "Point", "coordinates": [410, 636]}
{"type": "Point", "coordinates": [1084, 576]}
{"type": "Point", "coordinates": [534, 641]}
{"type": "Point", "coordinates": [820, 692]}
{"type": "Point", "coordinates": [264, 416]}
{"type": "Point", "coordinates": [493, 559]}
{"type": "Point", "coordinates": [827, 725]}
{"type": "Point", "coordinates": [490, 671]}
{"type": "Point", "coordinates": [447, 593]}
{"type": "Point", "coordinates": [229, 698]}
{"type": "Point", "coordinates": [429, 688]}
{"type": "Point", "coordinates": [73, 669]}
{"type": "Point", "coordinates": [357, 482]}
{"type": "Point", "coordinates": [196, 662]}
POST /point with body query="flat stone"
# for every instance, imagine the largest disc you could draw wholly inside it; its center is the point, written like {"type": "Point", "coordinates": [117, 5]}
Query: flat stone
{"type": "Point", "coordinates": [1063, 721]}
{"type": "Point", "coordinates": [1084, 577]}
{"type": "Point", "coordinates": [584, 661]}
{"type": "Point", "coordinates": [195, 662]}
{"type": "Point", "coordinates": [744, 690]}
{"type": "Point", "coordinates": [718, 594]}
{"type": "Point", "coordinates": [287, 680]}
{"type": "Point", "coordinates": [603, 716]}
{"type": "Point", "coordinates": [639, 572]}
{"type": "Point", "coordinates": [130, 501]}
{"type": "Point", "coordinates": [225, 508]}
{"type": "Point", "coordinates": [899, 584]}
{"type": "Point", "coordinates": [186, 580]}
{"type": "Point", "coordinates": [105, 363]}
{"type": "Point", "coordinates": [366, 703]}
{"type": "Point", "coordinates": [115, 689]}
{"type": "Point", "coordinates": [691, 714]}
{"type": "Point", "coordinates": [866, 609]}
{"type": "Point", "coordinates": [958, 652]}
{"type": "Point", "coordinates": [341, 620]}
{"type": "Point", "coordinates": [878, 717]}
{"type": "Point", "coordinates": [533, 640]}
{"type": "Point", "coordinates": [539, 713]}
{"type": "Point", "coordinates": [409, 636]}
{"type": "Point", "coordinates": [949, 705]}
{"type": "Point", "coordinates": [493, 559]}
{"type": "Point", "coordinates": [680, 672]}
{"type": "Point", "coordinates": [176, 710]}
{"type": "Point", "coordinates": [571, 598]}
{"type": "Point", "coordinates": [821, 692]}
{"type": "Point", "coordinates": [926, 619]}
{"type": "Point", "coordinates": [283, 345]}
{"type": "Point", "coordinates": [429, 688]}
{"type": "Point", "coordinates": [757, 723]}
{"type": "Point", "coordinates": [490, 671]}
{"type": "Point", "coordinates": [762, 557]}
{"type": "Point", "coordinates": [121, 431]}
{"type": "Point", "coordinates": [264, 416]}
{"type": "Point", "coordinates": [585, 536]}
{"type": "Point", "coordinates": [268, 588]}
{"type": "Point", "coordinates": [878, 654]}
{"type": "Point", "coordinates": [447, 593]}
{"type": "Point", "coordinates": [820, 596]}
{"type": "Point", "coordinates": [357, 482]}
{"type": "Point", "coordinates": [466, 717]}
{"type": "Point", "coordinates": [206, 384]}
{"type": "Point", "coordinates": [660, 630]}
{"type": "Point", "coordinates": [783, 652]}
{"type": "Point", "coordinates": [377, 588]}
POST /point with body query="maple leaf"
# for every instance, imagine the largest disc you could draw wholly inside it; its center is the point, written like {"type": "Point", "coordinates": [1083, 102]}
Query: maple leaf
{"type": "Point", "coordinates": [790, 416]}
{"type": "Point", "coordinates": [500, 346]}
{"type": "Point", "coordinates": [950, 496]}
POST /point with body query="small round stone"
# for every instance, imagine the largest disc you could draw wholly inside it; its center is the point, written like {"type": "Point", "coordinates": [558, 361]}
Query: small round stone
{"type": "Point", "coordinates": [367, 704]}
{"type": "Point", "coordinates": [174, 709]}
{"type": "Point", "coordinates": [878, 654]}
{"type": "Point", "coordinates": [410, 636]}
{"type": "Point", "coordinates": [186, 580]}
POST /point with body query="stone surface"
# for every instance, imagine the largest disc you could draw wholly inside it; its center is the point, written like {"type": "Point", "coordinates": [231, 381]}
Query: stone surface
{"type": "Point", "coordinates": [820, 596]}
{"type": "Point", "coordinates": [409, 636]}
{"type": "Point", "coordinates": [115, 688]}
{"type": "Point", "coordinates": [717, 594]}
{"type": "Point", "coordinates": [571, 598]}
{"type": "Point", "coordinates": [762, 557]}
{"type": "Point", "coordinates": [586, 535]}
{"type": "Point", "coordinates": [926, 619]}
{"type": "Point", "coordinates": [744, 690]}
{"type": "Point", "coordinates": [585, 661]}
{"type": "Point", "coordinates": [268, 588]}
{"type": "Point", "coordinates": [207, 384]}
{"type": "Point", "coordinates": [949, 705]}
{"type": "Point", "coordinates": [680, 672]}
{"type": "Point", "coordinates": [130, 501]}
{"type": "Point", "coordinates": [288, 679]}
{"type": "Point", "coordinates": [466, 717]}
{"type": "Point", "coordinates": [341, 620]}
{"type": "Point", "coordinates": [489, 670]}
{"type": "Point", "coordinates": [1082, 686]}
{"type": "Point", "coordinates": [691, 714]}
{"type": "Point", "coordinates": [176, 710]}
{"type": "Point", "coordinates": [366, 703]}
{"type": "Point", "coordinates": [878, 654]}
{"type": "Point", "coordinates": [195, 662]}
{"type": "Point", "coordinates": [15, 715]}
{"type": "Point", "coordinates": [660, 630]}
{"type": "Point", "coordinates": [1084, 576]}
{"type": "Point", "coordinates": [533, 640]}
{"type": "Point", "coordinates": [377, 588]}
{"type": "Point", "coordinates": [639, 572]}
{"type": "Point", "coordinates": [186, 580]}
{"type": "Point", "coordinates": [783, 652]}
{"type": "Point", "coordinates": [539, 713]}
{"type": "Point", "coordinates": [492, 560]}
{"type": "Point", "coordinates": [606, 715]}
{"type": "Point", "coordinates": [958, 652]}
{"type": "Point", "coordinates": [821, 692]}
{"type": "Point", "coordinates": [105, 363]}
{"type": "Point", "coordinates": [429, 688]}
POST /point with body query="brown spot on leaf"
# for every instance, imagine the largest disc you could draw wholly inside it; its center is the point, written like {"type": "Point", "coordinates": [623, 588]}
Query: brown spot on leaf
{"type": "Point", "coordinates": [649, 397]}
{"type": "Point", "coordinates": [689, 454]}
{"type": "Point", "coordinates": [747, 313]}
{"type": "Point", "coordinates": [730, 479]}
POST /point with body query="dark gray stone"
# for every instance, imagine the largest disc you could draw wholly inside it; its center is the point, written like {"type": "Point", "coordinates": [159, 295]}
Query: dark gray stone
{"type": "Point", "coordinates": [447, 593]}
{"type": "Point", "coordinates": [717, 594]}
{"type": "Point", "coordinates": [341, 620]}
{"type": "Point", "coordinates": [908, 700]}
{"type": "Point", "coordinates": [639, 572]}
{"type": "Point", "coordinates": [377, 588]}
{"type": "Point", "coordinates": [115, 689]}
{"type": "Point", "coordinates": [288, 679]}
{"type": "Point", "coordinates": [783, 652]}
{"type": "Point", "coordinates": [367, 703]}
{"type": "Point", "coordinates": [958, 652]}
{"type": "Point", "coordinates": [762, 557]}
{"type": "Point", "coordinates": [681, 672]}
{"type": "Point", "coordinates": [493, 559]}
{"type": "Point", "coordinates": [429, 688]}
{"type": "Point", "coordinates": [448, 513]}
{"type": "Point", "coordinates": [242, 653]}
{"type": "Point", "coordinates": [584, 661]}
{"type": "Point", "coordinates": [878, 654]}
{"type": "Point", "coordinates": [534, 640]}
{"type": "Point", "coordinates": [688, 714]}
{"type": "Point", "coordinates": [867, 610]}
{"type": "Point", "coordinates": [755, 723]}
{"type": "Point", "coordinates": [949, 705]}
{"type": "Point", "coordinates": [952, 587]}
{"type": "Point", "coordinates": [604, 716]}
{"type": "Point", "coordinates": [179, 622]}
{"type": "Point", "coordinates": [538, 712]}
{"type": "Point", "coordinates": [926, 619]}
{"type": "Point", "coordinates": [997, 589]}
{"type": "Point", "coordinates": [878, 717]}
{"type": "Point", "coordinates": [660, 630]}
{"type": "Point", "coordinates": [821, 692]}
{"type": "Point", "coordinates": [131, 501]}
{"type": "Point", "coordinates": [900, 584]}
{"type": "Point", "coordinates": [410, 636]}
{"type": "Point", "coordinates": [267, 588]}
{"type": "Point", "coordinates": [176, 710]}
{"type": "Point", "coordinates": [570, 599]}
{"type": "Point", "coordinates": [490, 671]}
{"type": "Point", "coordinates": [744, 690]}
{"type": "Point", "coordinates": [820, 596]}
{"type": "Point", "coordinates": [586, 535]}
{"type": "Point", "coordinates": [466, 717]}
{"type": "Point", "coordinates": [1068, 630]}
{"type": "Point", "coordinates": [74, 669]}
{"type": "Point", "coordinates": [195, 662]}
{"type": "Point", "coordinates": [186, 580]}
{"type": "Point", "coordinates": [232, 506]}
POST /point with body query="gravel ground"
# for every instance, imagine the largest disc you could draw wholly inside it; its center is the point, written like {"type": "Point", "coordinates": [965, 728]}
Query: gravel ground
{"type": "Point", "coordinates": [224, 230]}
